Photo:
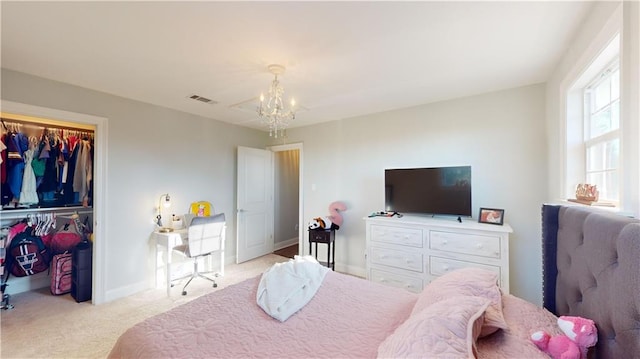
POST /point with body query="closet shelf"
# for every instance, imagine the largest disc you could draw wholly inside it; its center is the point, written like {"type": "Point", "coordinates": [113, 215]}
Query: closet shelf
{"type": "Point", "coordinates": [64, 211]}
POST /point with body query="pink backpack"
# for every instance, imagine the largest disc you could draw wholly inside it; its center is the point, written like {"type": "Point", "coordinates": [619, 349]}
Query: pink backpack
{"type": "Point", "coordinates": [65, 239]}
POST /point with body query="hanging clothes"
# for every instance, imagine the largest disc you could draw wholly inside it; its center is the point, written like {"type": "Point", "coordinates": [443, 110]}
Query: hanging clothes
{"type": "Point", "coordinates": [68, 194]}
{"type": "Point", "coordinates": [57, 155]}
{"type": "Point", "coordinates": [5, 191]}
{"type": "Point", "coordinates": [3, 158]}
{"type": "Point", "coordinates": [28, 194]}
{"type": "Point", "coordinates": [83, 172]}
{"type": "Point", "coordinates": [63, 162]}
{"type": "Point", "coordinates": [17, 145]}
{"type": "Point", "coordinates": [50, 179]}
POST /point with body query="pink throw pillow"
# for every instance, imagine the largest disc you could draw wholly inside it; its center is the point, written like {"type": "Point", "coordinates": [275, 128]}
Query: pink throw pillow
{"type": "Point", "coordinates": [447, 329]}
{"type": "Point", "coordinates": [467, 282]}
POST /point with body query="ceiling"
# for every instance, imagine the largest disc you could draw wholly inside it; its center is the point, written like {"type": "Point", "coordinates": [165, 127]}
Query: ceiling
{"type": "Point", "coordinates": [342, 59]}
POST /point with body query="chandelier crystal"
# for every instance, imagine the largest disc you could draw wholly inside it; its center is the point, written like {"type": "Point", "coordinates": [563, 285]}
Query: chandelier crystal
{"type": "Point", "coordinates": [271, 110]}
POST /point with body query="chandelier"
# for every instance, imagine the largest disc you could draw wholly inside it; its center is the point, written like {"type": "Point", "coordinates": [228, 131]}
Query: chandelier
{"type": "Point", "coordinates": [272, 111]}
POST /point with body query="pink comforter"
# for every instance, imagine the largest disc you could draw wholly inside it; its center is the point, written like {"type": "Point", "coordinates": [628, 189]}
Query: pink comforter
{"type": "Point", "coordinates": [348, 317]}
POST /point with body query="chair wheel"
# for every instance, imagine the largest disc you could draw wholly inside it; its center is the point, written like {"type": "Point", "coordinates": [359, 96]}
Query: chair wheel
{"type": "Point", "coordinates": [215, 285]}
{"type": "Point", "coordinates": [184, 292]}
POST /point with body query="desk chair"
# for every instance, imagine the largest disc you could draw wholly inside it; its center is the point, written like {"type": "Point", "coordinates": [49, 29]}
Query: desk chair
{"type": "Point", "coordinates": [206, 236]}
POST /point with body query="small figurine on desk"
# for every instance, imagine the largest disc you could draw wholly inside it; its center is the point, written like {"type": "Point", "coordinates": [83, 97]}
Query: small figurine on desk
{"type": "Point", "coordinates": [176, 222]}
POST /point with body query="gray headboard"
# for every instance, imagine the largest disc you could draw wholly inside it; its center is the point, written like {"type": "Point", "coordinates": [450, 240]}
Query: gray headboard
{"type": "Point", "coordinates": [597, 274]}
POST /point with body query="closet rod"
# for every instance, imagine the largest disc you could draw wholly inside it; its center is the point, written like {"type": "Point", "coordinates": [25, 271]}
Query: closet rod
{"type": "Point", "coordinates": [10, 121]}
{"type": "Point", "coordinates": [22, 213]}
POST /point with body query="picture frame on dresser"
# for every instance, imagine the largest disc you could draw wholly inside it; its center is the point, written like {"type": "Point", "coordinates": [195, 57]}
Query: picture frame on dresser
{"type": "Point", "coordinates": [491, 216]}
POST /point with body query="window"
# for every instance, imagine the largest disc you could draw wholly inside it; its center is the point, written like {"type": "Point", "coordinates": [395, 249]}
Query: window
{"type": "Point", "coordinates": [602, 133]}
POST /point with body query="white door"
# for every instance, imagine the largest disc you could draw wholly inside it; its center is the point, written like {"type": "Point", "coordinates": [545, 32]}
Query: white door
{"type": "Point", "coordinates": [255, 203]}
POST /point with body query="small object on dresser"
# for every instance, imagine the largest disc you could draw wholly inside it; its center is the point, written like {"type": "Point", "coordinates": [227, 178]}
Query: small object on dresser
{"type": "Point", "coordinates": [491, 216]}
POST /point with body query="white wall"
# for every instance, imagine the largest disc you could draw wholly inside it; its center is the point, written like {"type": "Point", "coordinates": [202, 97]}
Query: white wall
{"type": "Point", "coordinates": [151, 150]}
{"type": "Point", "coordinates": [630, 102]}
{"type": "Point", "coordinates": [501, 135]}
{"type": "Point", "coordinates": [605, 19]}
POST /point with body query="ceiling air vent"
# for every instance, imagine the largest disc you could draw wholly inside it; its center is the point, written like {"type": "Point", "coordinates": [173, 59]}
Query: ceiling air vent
{"type": "Point", "coordinates": [202, 99]}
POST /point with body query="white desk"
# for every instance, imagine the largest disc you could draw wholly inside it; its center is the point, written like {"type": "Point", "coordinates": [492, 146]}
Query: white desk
{"type": "Point", "coordinates": [168, 240]}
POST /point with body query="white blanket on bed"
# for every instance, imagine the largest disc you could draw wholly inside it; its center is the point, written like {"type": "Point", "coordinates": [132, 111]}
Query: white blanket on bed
{"type": "Point", "coordinates": [287, 287]}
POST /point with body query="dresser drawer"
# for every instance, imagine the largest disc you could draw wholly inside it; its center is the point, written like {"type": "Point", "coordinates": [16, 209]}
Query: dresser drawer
{"type": "Point", "coordinates": [399, 259]}
{"type": "Point", "coordinates": [317, 236]}
{"type": "Point", "coordinates": [439, 266]}
{"type": "Point", "coordinates": [395, 235]}
{"type": "Point", "coordinates": [473, 244]}
{"type": "Point", "coordinates": [397, 280]}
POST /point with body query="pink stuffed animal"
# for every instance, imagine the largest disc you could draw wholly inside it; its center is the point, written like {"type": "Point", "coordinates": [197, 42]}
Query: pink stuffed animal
{"type": "Point", "coordinates": [335, 208]}
{"type": "Point", "coordinates": [580, 335]}
{"type": "Point", "coordinates": [333, 221]}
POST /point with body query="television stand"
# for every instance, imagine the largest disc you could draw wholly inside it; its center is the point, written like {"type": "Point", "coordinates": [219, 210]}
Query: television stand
{"type": "Point", "coordinates": [411, 251]}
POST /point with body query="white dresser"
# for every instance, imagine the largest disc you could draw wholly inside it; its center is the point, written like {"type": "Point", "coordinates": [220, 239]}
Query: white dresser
{"type": "Point", "coordinates": [409, 252]}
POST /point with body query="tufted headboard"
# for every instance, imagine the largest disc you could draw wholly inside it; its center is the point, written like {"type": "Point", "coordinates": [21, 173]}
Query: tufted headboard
{"type": "Point", "coordinates": [596, 274]}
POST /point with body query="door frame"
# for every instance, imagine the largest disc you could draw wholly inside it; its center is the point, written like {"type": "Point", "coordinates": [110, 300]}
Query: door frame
{"type": "Point", "coordinates": [98, 290]}
{"type": "Point", "coordinates": [295, 146]}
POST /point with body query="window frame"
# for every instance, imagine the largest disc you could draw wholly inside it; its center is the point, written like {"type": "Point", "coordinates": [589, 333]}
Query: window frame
{"type": "Point", "coordinates": [616, 134]}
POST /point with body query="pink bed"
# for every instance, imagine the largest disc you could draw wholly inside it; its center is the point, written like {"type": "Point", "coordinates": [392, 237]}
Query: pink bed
{"type": "Point", "coordinates": [348, 317]}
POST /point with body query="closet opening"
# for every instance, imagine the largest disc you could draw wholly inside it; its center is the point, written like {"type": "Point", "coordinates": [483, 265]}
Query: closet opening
{"type": "Point", "coordinates": [289, 233]}
{"type": "Point", "coordinates": [50, 168]}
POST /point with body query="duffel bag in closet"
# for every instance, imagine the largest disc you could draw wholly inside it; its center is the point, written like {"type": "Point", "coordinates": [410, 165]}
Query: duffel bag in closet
{"type": "Point", "coordinates": [65, 238]}
{"type": "Point", "coordinates": [61, 266]}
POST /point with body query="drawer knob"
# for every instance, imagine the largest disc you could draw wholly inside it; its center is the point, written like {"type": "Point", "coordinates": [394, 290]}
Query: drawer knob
{"type": "Point", "coordinates": [445, 241]}
{"type": "Point", "coordinates": [479, 245]}
{"type": "Point", "coordinates": [383, 256]}
{"type": "Point", "coordinates": [383, 280]}
{"type": "Point", "coordinates": [445, 268]}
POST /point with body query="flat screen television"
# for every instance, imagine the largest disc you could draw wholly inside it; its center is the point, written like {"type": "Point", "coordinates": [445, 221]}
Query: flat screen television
{"type": "Point", "coordinates": [438, 190]}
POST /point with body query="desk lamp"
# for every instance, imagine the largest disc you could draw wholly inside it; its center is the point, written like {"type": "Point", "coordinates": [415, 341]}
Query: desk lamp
{"type": "Point", "coordinates": [166, 203]}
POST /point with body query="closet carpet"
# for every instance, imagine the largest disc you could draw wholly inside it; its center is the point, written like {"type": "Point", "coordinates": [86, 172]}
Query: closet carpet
{"type": "Point", "coordinates": [45, 326]}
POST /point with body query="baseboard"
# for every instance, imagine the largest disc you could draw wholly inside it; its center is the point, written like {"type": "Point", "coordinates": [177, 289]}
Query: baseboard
{"type": "Point", "coordinates": [285, 244]}
{"type": "Point", "coordinates": [126, 291]}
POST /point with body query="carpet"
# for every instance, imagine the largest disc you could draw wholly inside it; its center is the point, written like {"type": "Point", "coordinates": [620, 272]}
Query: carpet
{"type": "Point", "coordinates": [45, 326]}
